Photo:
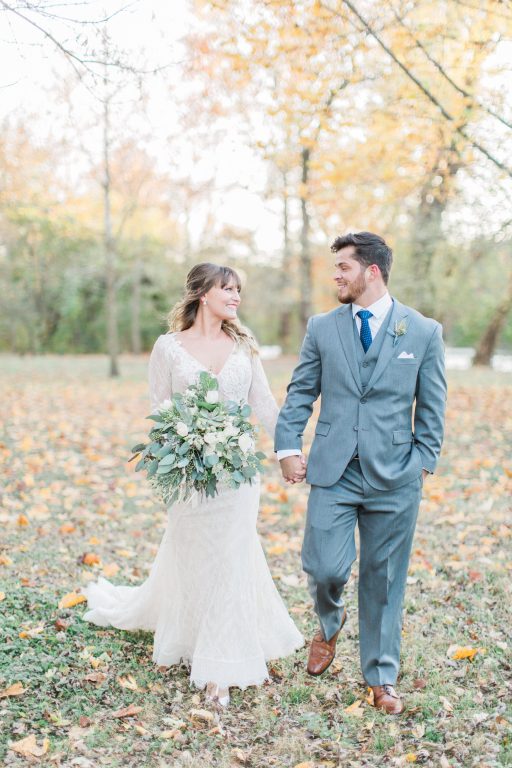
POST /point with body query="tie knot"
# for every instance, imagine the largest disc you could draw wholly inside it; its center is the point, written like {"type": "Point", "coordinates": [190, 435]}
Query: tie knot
{"type": "Point", "coordinates": [364, 314]}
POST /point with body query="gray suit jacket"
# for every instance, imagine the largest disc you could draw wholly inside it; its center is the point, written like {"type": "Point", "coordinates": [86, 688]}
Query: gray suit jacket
{"type": "Point", "coordinates": [393, 445]}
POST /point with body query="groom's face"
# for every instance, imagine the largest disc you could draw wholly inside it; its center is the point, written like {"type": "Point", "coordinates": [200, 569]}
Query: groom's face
{"type": "Point", "coordinates": [349, 276]}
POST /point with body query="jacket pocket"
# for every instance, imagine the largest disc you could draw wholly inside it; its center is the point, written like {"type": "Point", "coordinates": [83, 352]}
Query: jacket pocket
{"type": "Point", "coordinates": [402, 436]}
{"type": "Point", "coordinates": [322, 428]}
{"type": "Point", "coordinates": [405, 361]}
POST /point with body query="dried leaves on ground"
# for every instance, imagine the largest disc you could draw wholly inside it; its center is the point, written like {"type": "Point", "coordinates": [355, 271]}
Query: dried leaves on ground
{"type": "Point", "coordinates": [72, 694]}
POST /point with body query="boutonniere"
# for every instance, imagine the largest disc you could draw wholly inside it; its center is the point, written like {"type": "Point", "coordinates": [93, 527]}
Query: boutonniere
{"type": "Point", "coordinates": [400, 330]}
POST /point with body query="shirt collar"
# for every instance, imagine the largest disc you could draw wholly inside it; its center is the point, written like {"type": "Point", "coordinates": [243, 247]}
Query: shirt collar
{"type": "Point", "coordinates": [379, 308]}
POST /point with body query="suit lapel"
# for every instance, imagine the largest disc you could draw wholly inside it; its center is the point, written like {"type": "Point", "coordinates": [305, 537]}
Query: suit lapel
{"type": "Point", "coordinates": [390, 343]}
{"type": "Point", "coordinates": [344, 323]}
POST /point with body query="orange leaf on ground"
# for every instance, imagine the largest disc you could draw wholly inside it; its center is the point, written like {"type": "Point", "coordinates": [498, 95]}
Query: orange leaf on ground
{"type": "Point", "coordinates": [467, 653]}
{"type": "Point", "coordinates": [23, 520]}
{"type": "Point", "coordinates": [111, 569]}
{"type": "Point", "coordinates": [354, 709]}
{"type": "Point", "coordinates": [16, 689]}
{"type": "Point", "coordinates": [71, 599]}
{"type": "Point", "coordinates": [5, 560]}
{"type": "Point", "coordinates": [127, 711]}
{"type": "Point", "coordinates": [67, 528]}
{"type": "Point", "coordinates": [2, 596]}
{"type": "Point", "coordinates": [90, 558]}
{"type": "Point", "coordinates": [28, 746]}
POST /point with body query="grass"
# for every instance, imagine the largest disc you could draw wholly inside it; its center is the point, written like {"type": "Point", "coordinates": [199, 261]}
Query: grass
{"type": "Point", "coordinates": [68, 491]}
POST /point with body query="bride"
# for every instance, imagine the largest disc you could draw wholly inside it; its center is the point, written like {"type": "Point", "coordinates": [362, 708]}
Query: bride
{"type": "Point", "coordinates": [209, 598]}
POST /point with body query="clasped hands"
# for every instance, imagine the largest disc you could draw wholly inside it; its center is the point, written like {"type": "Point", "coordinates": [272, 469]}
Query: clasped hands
{"type": "Point", "coordinates": [294, 468]}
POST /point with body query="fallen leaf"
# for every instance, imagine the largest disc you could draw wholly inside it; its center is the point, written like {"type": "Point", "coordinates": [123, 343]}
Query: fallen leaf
{"type": "Point", "coordinates": [129, 711]}
{"type": "Point", "coordinates": [419, 684]}
{"type": "Point", "coordinates": [72, 599]}
{"type": "Point", "coordinates": [95, 677]}
{"type": "Point", "coordinates": [411, 757]}
{"type": "Point", "coordinates": [240, 756]}
{"type": "Point", "coordinates": [84, 721]}
{"type": "Point", "coordinates": [32, 632]}
{"type": "Point", "coordinates": [16, 689]}
{"type": "Point", "coordinates": [28, 746]}
{"type": "Point", "coordinates": [447, 706]}
{"type": "Point", "coordinates": [277, 549]}
{"type": "Point", "coordinates": [5, 560]}
{"type": "Point", "coordinates": [61, 625]}
{"type": "Point", "coordinates": [67, 528]}
{"type": "Point", "coordinates": [201, 715]}
{"type": "Point", "coordinates": [467, 653]}
{"type": "Point", "coordinates": [90, 558]}
{"type": "Point", "coordinates": [354, 709]}
{"type": "Point", "coordinates": [2, 596]}
{"type": "Point", "coordinates": [128, 682]}
{"type": "Point", "coordinates": [23, 520]}
{"type": "Point", "coordinates": [110, 570]}
{"type": "Point", "coordinates": [418, 731]}
{"type": "Point", "coordinates": [307, 764]}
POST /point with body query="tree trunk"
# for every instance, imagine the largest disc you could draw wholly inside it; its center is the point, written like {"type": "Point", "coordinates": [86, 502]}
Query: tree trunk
{"type": "Point", "coordinates": [490, 337]}
{"type": "Point", "coordinates": [305, 275]}
{"type": "Point", "coordinates": [136, 306]}
{"type": "Point", "coordinates": [285, 288]}
{"type": "Point", "coordinates": [108, 242]}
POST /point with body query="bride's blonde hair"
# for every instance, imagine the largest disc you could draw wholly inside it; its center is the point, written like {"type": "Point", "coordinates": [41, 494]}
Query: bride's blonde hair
{"type": "Point", "coordinates": [199, 280]}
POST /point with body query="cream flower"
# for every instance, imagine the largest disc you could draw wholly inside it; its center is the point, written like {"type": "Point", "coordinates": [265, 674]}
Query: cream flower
{"type": "Point", "coordinates": [182, 429]}
{"type": "Point", "coordinates": [212, 396]}
{"type": "Point", "coordinates": [245, 442]}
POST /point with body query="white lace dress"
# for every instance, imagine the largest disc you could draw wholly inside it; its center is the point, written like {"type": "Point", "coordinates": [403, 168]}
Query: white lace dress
{"type": "Point", "coordinates": [209, 598]}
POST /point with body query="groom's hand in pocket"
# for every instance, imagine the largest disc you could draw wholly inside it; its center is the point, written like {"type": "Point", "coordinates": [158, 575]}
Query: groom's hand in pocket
{"type": "Point", "coordinates": [294, 468]}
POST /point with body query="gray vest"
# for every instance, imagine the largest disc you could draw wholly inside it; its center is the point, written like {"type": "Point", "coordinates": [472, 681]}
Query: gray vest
{"type": "Point", "coordinates": [368, 361]}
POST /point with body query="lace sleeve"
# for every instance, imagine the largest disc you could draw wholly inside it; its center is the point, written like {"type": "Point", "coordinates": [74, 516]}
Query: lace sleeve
{"type": "Point", "coordinates": [159, 374]}
{"type": "Point", "coordinates": [261, 399]}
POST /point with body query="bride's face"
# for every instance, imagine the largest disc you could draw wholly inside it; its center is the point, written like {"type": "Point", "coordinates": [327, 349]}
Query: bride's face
{"type": "Point", "coordinates": [223, 302]}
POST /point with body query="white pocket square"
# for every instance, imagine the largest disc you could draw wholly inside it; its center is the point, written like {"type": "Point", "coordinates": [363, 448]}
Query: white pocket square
{"type": "Point", "coordinates": [408, 355]}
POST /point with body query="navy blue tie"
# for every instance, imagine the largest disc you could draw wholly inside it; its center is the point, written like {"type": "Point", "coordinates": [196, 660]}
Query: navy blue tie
{"type": "Point", "coordinates": [365, 333]}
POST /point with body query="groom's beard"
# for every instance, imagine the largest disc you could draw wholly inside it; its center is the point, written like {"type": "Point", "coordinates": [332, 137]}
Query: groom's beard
{"type": "Point", "coordinates": [350, 293]}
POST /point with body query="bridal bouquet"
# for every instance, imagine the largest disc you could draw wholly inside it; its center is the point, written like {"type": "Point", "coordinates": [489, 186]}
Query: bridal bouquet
{"type": "Point", "coordinates": [198, 442]}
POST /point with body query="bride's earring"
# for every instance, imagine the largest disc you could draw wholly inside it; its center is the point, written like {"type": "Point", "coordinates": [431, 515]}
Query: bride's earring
{"type": "Point", "coordinates": [204, 301]}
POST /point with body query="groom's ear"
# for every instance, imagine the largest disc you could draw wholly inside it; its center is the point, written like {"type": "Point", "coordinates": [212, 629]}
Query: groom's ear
{"type": "Point", "coordinates": [374, 271]}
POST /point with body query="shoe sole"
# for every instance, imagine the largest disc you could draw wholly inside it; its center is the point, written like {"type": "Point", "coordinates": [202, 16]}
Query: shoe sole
{"type": "Point", "coordinates": [317, 674]}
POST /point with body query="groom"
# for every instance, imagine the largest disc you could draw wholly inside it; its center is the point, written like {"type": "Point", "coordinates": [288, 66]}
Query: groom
{"type": "Point", "coordinates": [374, 362]}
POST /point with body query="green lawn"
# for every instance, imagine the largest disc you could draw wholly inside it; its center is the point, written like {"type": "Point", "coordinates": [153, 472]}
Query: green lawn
{"type": "Point", "coordinates": [67, 492]}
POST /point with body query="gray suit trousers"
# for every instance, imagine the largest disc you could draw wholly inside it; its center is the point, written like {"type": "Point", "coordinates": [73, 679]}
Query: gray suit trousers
{"type": "Point", "coordinates": [386, 521]}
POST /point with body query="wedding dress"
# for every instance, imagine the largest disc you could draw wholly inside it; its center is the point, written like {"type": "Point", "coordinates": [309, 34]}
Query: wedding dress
{"type": "Point", "coordinates": [209, 598]}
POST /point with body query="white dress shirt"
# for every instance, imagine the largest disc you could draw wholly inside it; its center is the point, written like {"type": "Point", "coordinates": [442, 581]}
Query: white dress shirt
{"type": "Point", "coordinates": [379, 310]}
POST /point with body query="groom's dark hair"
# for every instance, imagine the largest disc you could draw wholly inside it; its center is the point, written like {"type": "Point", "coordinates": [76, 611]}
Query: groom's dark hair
{"type": "Point", "coordinates": [370, 249]}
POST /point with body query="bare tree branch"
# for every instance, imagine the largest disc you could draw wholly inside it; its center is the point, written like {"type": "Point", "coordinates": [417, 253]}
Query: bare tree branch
{"type": "Point", "coordinates": [475, 102]}
{"type": "Point", "coordinates": [423, 88]}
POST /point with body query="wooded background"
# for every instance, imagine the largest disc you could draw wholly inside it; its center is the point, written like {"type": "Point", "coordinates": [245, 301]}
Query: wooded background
{"type": "Point", "coordinates": [393, 117]}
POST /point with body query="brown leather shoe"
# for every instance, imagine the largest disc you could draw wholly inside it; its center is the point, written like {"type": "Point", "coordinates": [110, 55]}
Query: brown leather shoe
{"type": "Point", "coordinates": [322, 652]}
{"type": "Point", "coordinates": [385, 697]}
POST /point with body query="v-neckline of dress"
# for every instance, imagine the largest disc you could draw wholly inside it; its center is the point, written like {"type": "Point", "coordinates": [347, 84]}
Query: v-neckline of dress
{"type": "Point", "coordinates": [199, 363]}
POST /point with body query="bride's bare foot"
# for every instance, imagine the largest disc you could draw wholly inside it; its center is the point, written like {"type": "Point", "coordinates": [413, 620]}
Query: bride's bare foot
{"type": "Point", "coordinates": [217, 695]}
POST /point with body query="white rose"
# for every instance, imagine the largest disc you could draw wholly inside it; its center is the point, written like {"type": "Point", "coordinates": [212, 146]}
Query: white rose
{"type": "Point", "coordinates": [245, 442]}
{"type": "Point", "coordinates": [165, 405]}
{"type": "Point", "coordinates": [212, 396]}
{"type": "Point", "coordinates": [211, 438]}
{"type": "Point", "coordinates": [231, 430]}
{"type": "Point", "coordinates": [181, 429]}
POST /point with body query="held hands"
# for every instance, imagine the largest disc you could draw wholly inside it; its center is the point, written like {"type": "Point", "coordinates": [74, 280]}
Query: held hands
{"type": "Point", "coordinates": [294, 468]}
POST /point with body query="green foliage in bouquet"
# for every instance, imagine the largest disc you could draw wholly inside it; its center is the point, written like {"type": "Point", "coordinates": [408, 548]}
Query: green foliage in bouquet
{"type": "Point", "coordinates": [198, 442]}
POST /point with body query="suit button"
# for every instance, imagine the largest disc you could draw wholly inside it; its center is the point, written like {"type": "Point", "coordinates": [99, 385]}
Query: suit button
{"type": "Point", "coordinates": [355, 429]}
{"type": "Point", "coordinates": [363, 400]}
{"type": "Point", "coordinates": [365, 364]}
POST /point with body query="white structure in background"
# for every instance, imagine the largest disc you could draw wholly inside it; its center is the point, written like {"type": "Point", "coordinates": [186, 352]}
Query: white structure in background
{"type": "Point", "coordinates": [457, 358]}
